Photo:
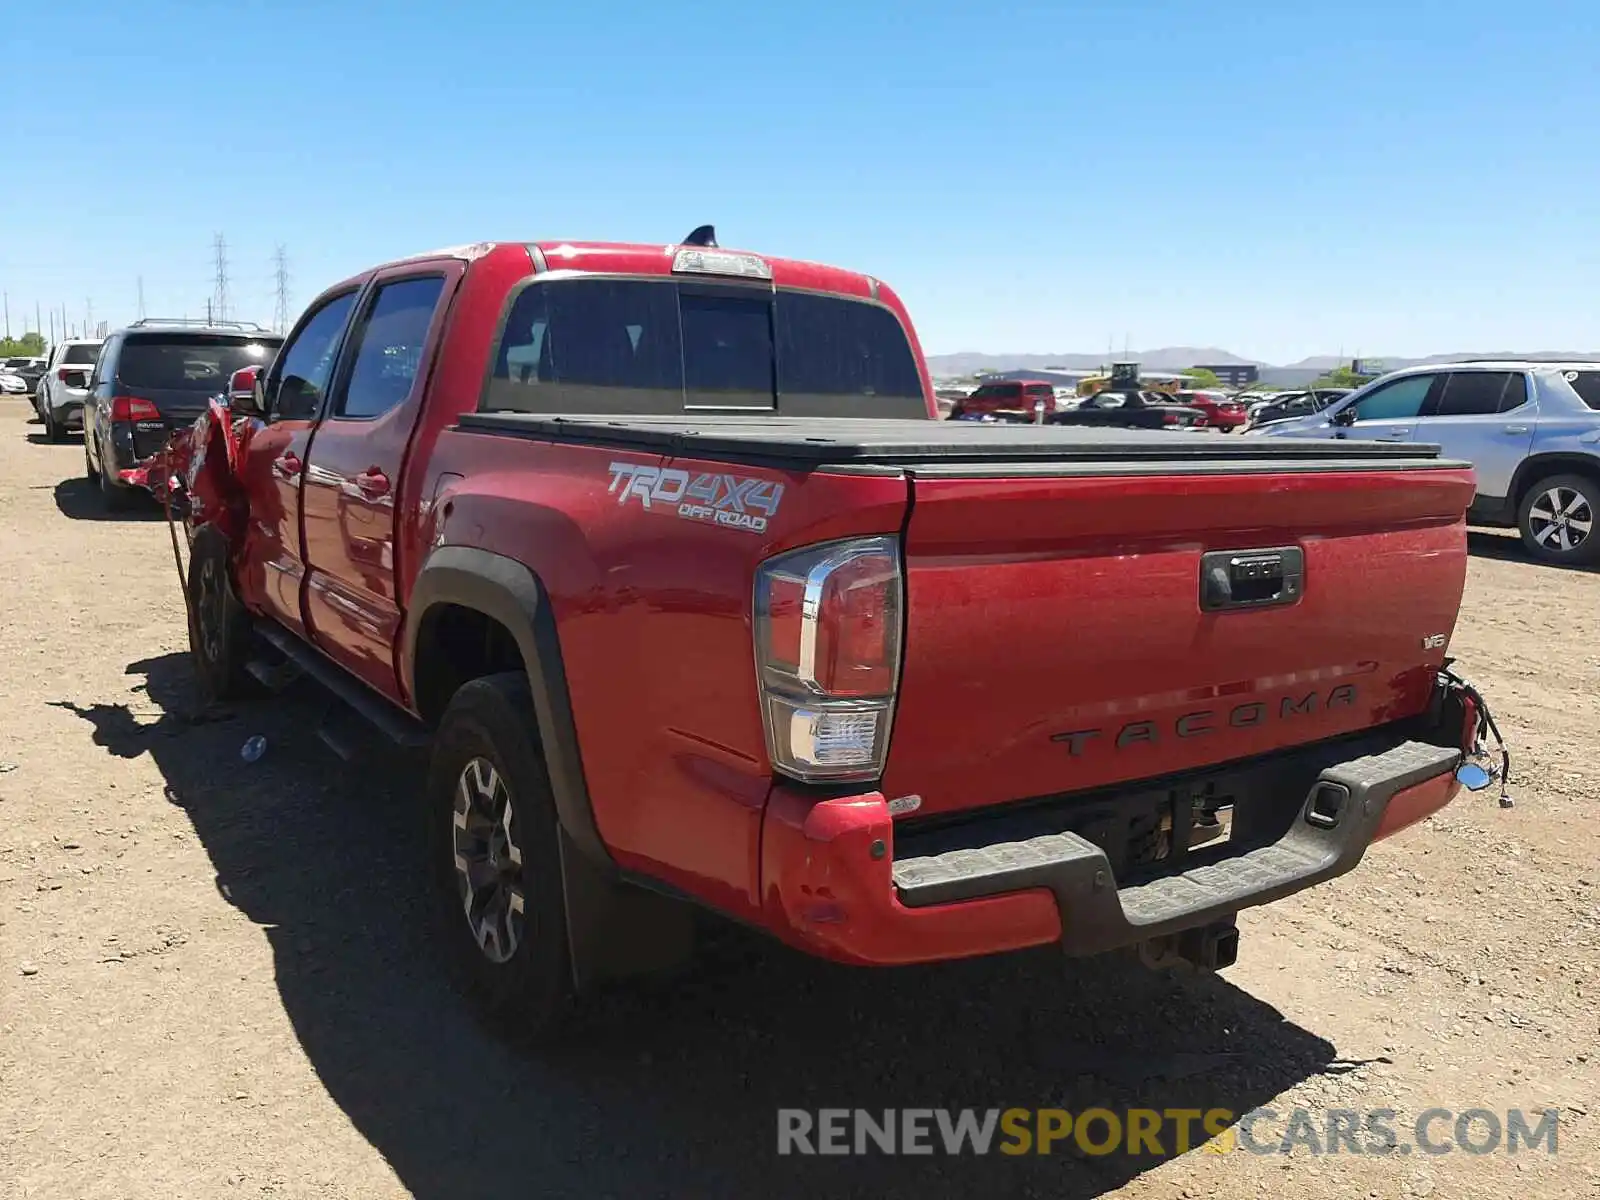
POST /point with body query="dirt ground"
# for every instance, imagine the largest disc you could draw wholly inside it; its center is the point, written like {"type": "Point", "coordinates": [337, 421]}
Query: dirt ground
{"type": "Point", "coordinates": [215, 978]}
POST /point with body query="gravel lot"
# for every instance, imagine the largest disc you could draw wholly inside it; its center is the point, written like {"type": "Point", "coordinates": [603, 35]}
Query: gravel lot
{"type": "Point", "coordinates": [215, 978]}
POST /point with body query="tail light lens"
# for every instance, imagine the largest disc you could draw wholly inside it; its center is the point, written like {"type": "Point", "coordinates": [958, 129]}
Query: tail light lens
{"type": "Point", "coordinates": [827, 633]}
{"type": "Point", "coordinates": [133, 408]}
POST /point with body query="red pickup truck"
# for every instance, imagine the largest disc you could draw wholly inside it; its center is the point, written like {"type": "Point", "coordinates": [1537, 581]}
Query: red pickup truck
{"type": "Point", "coordinates": [662, 552]}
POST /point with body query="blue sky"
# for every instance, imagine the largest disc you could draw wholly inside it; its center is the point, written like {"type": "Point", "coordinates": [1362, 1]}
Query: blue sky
{"type": "Point", "coordinates": [1279, 180]}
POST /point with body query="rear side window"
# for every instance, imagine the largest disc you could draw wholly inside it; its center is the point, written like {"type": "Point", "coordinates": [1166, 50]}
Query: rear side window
{"type": "Point", "coordinates": [81, 355]}
{"type": "Point", "coordinates": [1480, 393]}
{"type": "Point", "coordinates": [389, 347]}
{"type": "Point", "coordinates": [188, 362]}
{"type": "Point", "coordinates": [633, 347]}
{"type": "Point", "coordinates": [1586, 384]}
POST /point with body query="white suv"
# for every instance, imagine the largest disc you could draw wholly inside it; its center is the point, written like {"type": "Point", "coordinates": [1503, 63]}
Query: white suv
{"type": "Point", "coordinates": [64, 386]}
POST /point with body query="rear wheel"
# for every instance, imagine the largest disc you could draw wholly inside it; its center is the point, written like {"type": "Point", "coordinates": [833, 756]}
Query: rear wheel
{"type": "Point", "coordinates": [53, 430]}
{"type": "Point", "coordinates": [1557, 519]}
{"type": "Point", "coordinates": [90, 471]}
{"type": "Point", "coordinates": [219, 625]}
{"type": "Point", "coordinates": [113, 495]}
{"type": "Point", "coordinates": [496, 864]}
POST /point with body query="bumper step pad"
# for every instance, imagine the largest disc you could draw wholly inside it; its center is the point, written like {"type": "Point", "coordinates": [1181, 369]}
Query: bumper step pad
{"type": "Point", "coordinates": [1096, 916]}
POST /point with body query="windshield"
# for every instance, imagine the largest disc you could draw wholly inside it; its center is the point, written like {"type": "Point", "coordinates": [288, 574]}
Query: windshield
{"type": "Point", "coordinates": [634, 347]}
{"type": "Point", "coordinates": [190, 362]}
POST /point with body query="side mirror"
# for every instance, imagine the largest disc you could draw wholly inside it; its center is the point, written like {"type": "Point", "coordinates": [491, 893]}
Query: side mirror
{"type": "Point", "coordinates": [244, 393]}
{"type": "Point", "coordinates": [1344, 416]}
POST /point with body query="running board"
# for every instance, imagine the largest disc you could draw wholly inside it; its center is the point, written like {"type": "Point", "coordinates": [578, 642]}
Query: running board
{"type": "Point", "coordinates": [394, 723]}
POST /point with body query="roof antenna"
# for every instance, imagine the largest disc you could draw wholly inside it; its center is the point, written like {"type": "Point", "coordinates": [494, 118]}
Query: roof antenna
{"type": "Point", "coordinates": [706, 235]}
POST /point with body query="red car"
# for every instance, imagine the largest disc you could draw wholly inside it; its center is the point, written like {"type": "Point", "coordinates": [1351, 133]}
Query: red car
{"type": "Point", "coordinates": [663, 557]}
{"type": "Point", "coordinates": [1026, 396]}
{"type": "Point", "coordinates": [1220, 411]}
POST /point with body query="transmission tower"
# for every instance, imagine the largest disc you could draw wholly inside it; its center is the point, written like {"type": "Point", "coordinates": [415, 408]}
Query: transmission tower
{"type": "Point", "coordinates": [219, 296]}
{"type": "Point", "coordinates": [141, 297]}
{"type": "Point", "coordinates": [280, 280]}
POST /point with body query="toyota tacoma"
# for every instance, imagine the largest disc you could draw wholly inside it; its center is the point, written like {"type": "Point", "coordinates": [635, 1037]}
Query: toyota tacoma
{"type": "Point", "coordinates": [662, 555]}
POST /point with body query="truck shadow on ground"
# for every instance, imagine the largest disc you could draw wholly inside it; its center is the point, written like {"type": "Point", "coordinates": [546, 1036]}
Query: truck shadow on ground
{"type": "Point", "coordinates": [80, 500]}
{"type": "Point", "coordinates": [671, 1089]}
{"type": "Point", "coordinates": [1507, 547]}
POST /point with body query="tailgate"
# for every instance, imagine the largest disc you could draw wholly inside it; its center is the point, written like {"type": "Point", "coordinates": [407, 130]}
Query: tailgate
{"type": "Point", "coordinates": [1056, 639]}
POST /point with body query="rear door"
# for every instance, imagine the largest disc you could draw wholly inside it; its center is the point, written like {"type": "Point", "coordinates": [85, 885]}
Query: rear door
{"type": "Point", "coordinates": [1486, 418]}
{"type": "Point", "coordinates": [273, 453]}
{"type": "Point", "coordinates": [353, 469]}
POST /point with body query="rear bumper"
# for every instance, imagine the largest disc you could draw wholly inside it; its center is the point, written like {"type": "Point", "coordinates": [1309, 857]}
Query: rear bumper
{"type": "Point", "coordinates": [833, 885]}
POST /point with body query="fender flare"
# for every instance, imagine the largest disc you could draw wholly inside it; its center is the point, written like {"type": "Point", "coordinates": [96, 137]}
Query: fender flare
{"type": "Point", "coordinates": [509, 592]}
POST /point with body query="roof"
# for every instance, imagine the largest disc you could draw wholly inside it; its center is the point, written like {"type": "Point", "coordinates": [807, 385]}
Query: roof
{"type": "Point", "coordinates": [653, 258]}
{"type": "Point", "coordinates": [159, 325]}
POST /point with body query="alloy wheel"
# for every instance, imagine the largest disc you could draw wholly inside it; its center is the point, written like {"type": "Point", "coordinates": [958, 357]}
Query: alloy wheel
{"type": "Point", "coordinates": [1561, 519]}
{"type": "Point", "coordinates": [488, 860]}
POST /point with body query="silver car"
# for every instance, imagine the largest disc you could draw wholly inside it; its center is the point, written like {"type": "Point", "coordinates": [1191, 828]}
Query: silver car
{"type": "Point", "coordinates": [1532, 430]}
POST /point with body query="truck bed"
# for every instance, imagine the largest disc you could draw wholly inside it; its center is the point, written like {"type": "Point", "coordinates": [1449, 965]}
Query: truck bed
{"type": "Point", "coordinates": [956, 446]}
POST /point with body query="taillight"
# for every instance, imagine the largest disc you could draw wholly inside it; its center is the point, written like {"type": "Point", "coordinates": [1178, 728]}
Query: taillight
{"type": "Point", "coordinates": [133, 408]}
{"type": "Point", "coordinates": [827, 633]}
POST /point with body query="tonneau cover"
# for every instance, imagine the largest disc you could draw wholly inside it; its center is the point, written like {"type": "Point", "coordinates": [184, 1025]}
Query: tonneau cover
{"type": "Point", "coordinates": [816, 441]}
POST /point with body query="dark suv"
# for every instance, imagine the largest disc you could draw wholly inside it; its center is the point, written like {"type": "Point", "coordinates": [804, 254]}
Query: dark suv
{"type": "Point", "coordinates": [153, 377]}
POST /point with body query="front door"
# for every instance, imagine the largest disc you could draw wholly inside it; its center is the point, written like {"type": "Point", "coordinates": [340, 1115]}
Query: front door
{"type": "Point", "coordinates": [1388, 413]}
{"type": "Point", "coordinates": [272, 465]}
{"type": "Point", "coordinates": [352, 472]}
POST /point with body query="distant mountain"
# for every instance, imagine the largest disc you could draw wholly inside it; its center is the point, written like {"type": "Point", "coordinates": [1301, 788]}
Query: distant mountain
{"type": "Point", "coordinates": [1180, 358]}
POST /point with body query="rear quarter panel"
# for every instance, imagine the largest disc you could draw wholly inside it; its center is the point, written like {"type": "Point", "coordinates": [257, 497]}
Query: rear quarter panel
{"type": "Point", "coordinates": [652, 613]}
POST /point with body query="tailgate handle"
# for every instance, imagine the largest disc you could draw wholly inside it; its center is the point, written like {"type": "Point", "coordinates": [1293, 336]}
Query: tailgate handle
{"type": "Point", "coordinates": [1251, 578]}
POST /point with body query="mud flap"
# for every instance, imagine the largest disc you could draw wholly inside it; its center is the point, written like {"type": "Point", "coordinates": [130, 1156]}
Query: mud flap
{"type": "Point", "coordinates": [616, 930]}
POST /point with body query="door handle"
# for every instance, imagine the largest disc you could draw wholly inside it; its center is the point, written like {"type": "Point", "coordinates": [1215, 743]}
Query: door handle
{"type": "Point", "coordinates": [373, 482]}
{"type": "Point", "coordinates": [287, 465]}
{"type": "Point", "coordinates": [1516, 429]}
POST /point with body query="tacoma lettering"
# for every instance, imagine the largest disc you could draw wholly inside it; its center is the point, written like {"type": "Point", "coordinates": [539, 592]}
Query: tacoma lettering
{"type": "Point", "coordinates": [1210, 720]}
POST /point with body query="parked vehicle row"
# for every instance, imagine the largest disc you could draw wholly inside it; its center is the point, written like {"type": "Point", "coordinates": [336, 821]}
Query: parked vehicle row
{"type": "Point", "coordinates": [1531, 430]}
{"type": "Point", "coordinates": [59, 394]}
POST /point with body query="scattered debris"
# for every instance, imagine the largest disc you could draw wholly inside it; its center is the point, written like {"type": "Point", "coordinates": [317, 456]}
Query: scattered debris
{"type": "Point", "coordinates": [253, 749]}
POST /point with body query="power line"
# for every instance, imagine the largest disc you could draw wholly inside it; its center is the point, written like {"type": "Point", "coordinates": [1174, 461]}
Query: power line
{"type": "Point", "coordinates": [220, 295]}
{"type": "Point", "coordinates": [280, 277]}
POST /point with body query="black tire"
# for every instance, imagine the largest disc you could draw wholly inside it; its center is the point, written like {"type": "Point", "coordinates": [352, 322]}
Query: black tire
{"type": "Point", "coordinates": [220, 637]}
{"type": "Point", "coordinates": [113, 495]}
{"type": "Point", "coordinates": [956, 412]}
{"type": "Point", "coordinates": [90, 471]}
{"type": "Point", "coordinates": [52, 431]}
{"type": "Point", "coordinates": [524, 981]}
{"type": "Point", "coordinates": [1561, 509]}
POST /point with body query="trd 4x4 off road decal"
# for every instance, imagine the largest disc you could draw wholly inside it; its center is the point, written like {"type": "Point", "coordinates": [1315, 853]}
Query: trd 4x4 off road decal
{"type": "Point", "coordinates": [737, 501]}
